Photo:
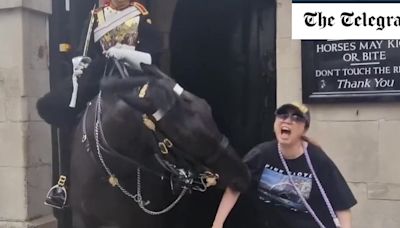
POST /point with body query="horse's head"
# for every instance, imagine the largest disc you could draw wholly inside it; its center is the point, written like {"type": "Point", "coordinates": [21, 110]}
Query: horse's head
{"type": "Point", "coordinates": [183, 119]}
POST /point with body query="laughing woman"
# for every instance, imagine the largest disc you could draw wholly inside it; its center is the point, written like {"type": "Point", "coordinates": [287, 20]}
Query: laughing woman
{"type": "Point", "coordinates": [297, 184]}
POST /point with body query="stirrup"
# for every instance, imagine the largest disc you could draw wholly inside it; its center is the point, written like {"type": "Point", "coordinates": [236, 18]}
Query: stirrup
{"type": "Point", "coordinates": [57, 195]}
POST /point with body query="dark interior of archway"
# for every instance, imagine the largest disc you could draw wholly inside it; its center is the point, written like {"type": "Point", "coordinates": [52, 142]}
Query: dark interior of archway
{"type": "Point", "coordinates": [224, 52]}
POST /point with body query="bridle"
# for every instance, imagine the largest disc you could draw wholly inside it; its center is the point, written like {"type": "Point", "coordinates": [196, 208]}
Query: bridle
{"type": "Point", "coordinates": [178, 167]}
{"type": "Point", "coordinates": [173, 159]}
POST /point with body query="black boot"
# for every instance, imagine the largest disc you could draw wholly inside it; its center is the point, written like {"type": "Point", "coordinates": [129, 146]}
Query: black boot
{"type": "Point", "coordinates": [57, 195]}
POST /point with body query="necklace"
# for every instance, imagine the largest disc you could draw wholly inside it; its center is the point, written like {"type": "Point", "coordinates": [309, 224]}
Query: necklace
{"type": "Point", "coordinates": [321, 189]}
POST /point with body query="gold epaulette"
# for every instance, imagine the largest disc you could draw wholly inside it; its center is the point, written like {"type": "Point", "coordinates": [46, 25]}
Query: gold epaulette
{"type": "Point", "coordinates": [99, 14]}
{"type": "Point", "coordinates": [99, 9]}
{"type": "Point", "coordinates": [141, 8]}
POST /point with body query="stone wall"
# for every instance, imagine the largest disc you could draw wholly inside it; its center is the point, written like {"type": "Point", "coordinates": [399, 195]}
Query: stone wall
{"type": "Point", "coordinates": [362, 139]}
{"type": "Point", "coordinates": [25, 154]}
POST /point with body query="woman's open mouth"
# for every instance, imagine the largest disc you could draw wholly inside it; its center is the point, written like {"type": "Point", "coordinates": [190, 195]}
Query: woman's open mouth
{"type": "Point", "coordinates": [285, 132]}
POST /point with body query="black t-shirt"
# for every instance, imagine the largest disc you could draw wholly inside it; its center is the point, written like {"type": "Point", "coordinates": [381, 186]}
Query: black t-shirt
{"type": "Point", "coordinates": [279, 203]}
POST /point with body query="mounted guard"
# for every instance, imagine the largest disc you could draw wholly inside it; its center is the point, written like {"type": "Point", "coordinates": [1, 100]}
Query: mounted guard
{"type": "Point", "coordinates": [119, 38]}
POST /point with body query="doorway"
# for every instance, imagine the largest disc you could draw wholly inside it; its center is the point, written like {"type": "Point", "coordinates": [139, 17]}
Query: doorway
{"type": "Point", "coordinates": [224, 51]}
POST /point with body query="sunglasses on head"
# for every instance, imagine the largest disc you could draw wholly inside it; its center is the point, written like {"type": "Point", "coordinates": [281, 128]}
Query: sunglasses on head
{"type": "Point", "coordinates": [295, 117]}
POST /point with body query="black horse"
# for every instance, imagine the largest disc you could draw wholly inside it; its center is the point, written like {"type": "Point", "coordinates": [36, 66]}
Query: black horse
{"type": "Point", "coordinates": [141, 145]}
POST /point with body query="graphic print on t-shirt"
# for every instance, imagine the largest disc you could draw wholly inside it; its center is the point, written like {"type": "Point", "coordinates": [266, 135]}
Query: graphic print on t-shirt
{"type": "Point", "coordinates": [275, 187]}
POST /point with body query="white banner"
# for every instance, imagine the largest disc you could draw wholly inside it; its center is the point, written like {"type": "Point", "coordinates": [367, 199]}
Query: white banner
{"type": "Point", "coordinates": [345, 21]}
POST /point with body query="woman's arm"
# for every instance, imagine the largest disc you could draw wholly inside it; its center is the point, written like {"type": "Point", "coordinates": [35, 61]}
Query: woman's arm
{"type": "Point", "coordinates": [344, 218]}
{"type": "Point", "coordinates": [228, 200]}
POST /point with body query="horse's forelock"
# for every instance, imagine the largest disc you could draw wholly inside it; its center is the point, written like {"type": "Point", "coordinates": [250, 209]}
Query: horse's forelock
{"type": "Point", "coordinates": [113, 85]}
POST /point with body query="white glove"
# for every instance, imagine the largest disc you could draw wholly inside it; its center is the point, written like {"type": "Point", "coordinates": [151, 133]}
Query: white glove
{"type": "Point", "coordinates": [79, 63]}
{"type": "Point", "coordinates": [128, 55]}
